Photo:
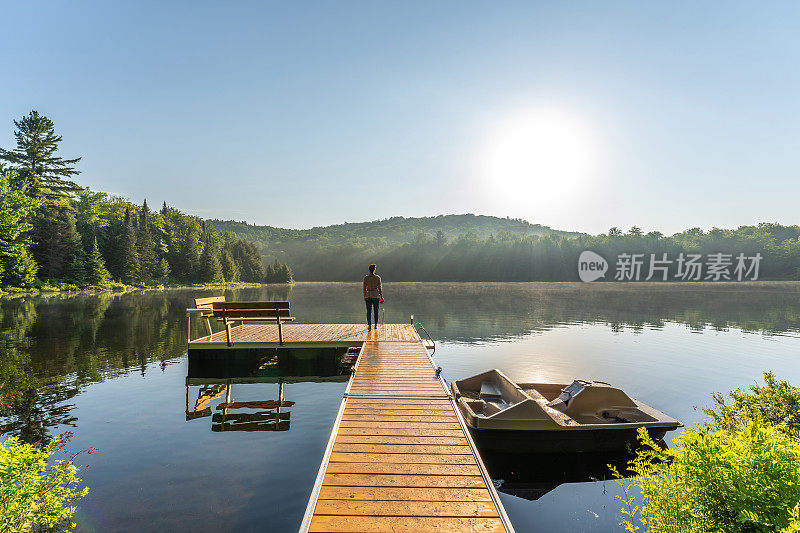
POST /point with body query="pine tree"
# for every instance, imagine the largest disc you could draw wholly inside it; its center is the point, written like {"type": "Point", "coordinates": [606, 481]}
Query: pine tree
{"type": "Point", "coordinates": [276, 272]}
{"type": "Point", "coordinates": [96, 271]}
{"type": "Point", "coordinates": [76, 269]}
{"type": "Point", "coordinates": [285, 275]}
{"type": "Point", "coordinates": [210, 269]}
{"type": "Point", "coordinates": [163, 270]}
{"type": "Point", "coordinates": [21, 270]}
{"type": "Point", "coordinates": [54, 239]}
{"type": "Point", "coordinates": [129, 262]}
{"type": "Point", "coordinates": [34, 158]}
{"type": "Point", "coordinates": [251, 267]}
{"type": "Point", "coordinates": [148, 259]}
{"type": "Point", "coordinates": [229, 269]}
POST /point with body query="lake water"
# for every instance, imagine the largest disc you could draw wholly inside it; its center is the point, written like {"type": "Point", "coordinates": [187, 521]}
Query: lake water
{"type": "Point", "coordinates": [113, 369]}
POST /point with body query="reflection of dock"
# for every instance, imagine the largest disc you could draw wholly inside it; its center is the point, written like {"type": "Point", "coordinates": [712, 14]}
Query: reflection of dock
{"type": "Point", "coordinates": [268, 417]}
{"type": "Point", "coordinates": [400, 457]}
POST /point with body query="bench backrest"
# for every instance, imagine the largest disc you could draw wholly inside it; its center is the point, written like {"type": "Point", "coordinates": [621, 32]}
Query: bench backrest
{"type": "Point", "coordinates": [207, 303]}
{"type": "Point", "coordinates": [234, 310]}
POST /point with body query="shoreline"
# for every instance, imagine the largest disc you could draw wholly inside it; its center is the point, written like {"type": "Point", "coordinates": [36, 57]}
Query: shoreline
{"type": "Point", "coordinates": [606, 285]}
{"type": "Point", "coordinates": [120, 288]}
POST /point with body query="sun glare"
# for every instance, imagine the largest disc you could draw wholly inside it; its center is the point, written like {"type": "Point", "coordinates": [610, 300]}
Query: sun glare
{"type": "Point", "coordinates": [546, 154]}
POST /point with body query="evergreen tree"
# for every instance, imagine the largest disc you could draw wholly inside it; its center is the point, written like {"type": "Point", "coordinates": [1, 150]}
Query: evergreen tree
{"type": "Point", "coordinates": [285, 274]}
{"type": "Point", "coordinates": [54, 239]}
{"type": "Point", "coordinates": [34, 157]}
{"type": "Point", "coordinates": [279, 273]}
{"type": "Point", "coordinates": [269, 276]}
{"type": "Point", "coordinates": [251, 267]}
{"type": "Point", "coordinates": [21, 270]}
{"type": "Point", "coordinates": [76, 268]}
{"type": "Point", "coordinates": [229, 269]}
{"type": "Point", "coordinates": [148, 259]}
{"type": "Point", "coordinates": [184, 245]}
{"type": "Point", "coordinates": [272, 272]}
{"type": "Point", "coordinates": [163, 270]}
{"type": "Point", "coordinates": [129, 262]}
{"type": "Point", "coordinates": [96, 272]}
{"type": "Point", "coordinates": [111, 241]}
{"type": "Point", "coordinates": [210, 269]}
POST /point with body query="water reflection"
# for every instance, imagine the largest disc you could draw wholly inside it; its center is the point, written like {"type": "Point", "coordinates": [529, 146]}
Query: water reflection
{"type": "Point", "coordinates": [214, 372]}
{"type": "Point", "coordinates": [73, 359]}
{"type": "Point", "coordinates": [52, 347]}
{"type": "Point", "coordinates": [531, 476]}
{"type": "Point", "coordinates": [266, 415]}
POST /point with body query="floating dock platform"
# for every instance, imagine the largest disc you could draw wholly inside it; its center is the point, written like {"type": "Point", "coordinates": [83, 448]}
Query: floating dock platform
{"type": "Point", "coordinates": [399, 457]}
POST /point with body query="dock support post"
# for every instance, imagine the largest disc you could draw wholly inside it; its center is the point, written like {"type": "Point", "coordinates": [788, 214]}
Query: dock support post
{"type": "Point", "coordinates": [227, 325]}
{"type": "Point", "coordinates": [280, 329]}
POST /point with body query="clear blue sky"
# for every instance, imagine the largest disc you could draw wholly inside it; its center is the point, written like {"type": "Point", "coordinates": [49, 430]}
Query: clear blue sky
{"type": "Point", "coordinates": [677, 114]}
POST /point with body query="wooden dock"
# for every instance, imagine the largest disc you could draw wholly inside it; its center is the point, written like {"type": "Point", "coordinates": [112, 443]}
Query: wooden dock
{"type": "Point", "coordinates": [300, 335]}
{"type": "Point", "coordinates": [400, 457]}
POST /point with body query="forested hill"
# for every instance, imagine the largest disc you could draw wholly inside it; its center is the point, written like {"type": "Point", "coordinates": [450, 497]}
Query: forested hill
{"type": "Point", "coordinates": [391, 231]}
{"type": "Point", "coordinates": [340, 252]}
{"type": "Point", "coordinates": [477, 248]}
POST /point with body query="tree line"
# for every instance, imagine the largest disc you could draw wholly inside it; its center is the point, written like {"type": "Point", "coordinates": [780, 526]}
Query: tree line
{"type": "Point", "coordinates": [510, 256]}
{"type": "Point", "coordinates": [54, 231]}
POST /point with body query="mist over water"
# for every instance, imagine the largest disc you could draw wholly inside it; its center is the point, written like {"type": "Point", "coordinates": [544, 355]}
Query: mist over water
{"type": "Point", "coordinates": [113, 369]}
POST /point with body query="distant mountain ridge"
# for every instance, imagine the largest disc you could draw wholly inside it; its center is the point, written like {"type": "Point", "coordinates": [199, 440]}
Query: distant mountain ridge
{"type": "Point", "coordinates": [393, 231]}
{"type": "Point", "coordinates": [341, 251]}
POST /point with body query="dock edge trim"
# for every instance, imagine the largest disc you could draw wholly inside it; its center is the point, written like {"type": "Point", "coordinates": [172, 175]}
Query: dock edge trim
{"type": "Point", "coordinates": [323, 467]}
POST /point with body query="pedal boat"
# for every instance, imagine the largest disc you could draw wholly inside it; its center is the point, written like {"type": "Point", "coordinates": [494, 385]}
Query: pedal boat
{"type": "Point", "coordinates": [583, 416]}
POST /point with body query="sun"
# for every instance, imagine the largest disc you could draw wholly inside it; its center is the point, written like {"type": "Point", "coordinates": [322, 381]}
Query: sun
{"type": "Point", "coordinates": [543, 154]}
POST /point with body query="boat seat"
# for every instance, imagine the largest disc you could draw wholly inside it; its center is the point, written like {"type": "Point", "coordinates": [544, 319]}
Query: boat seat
{"type": "Point", "coordinates": [490, 392]}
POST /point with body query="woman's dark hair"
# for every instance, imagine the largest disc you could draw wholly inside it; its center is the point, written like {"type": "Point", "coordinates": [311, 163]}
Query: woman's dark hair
{"type": "Point", "coordinates": [372, 268]}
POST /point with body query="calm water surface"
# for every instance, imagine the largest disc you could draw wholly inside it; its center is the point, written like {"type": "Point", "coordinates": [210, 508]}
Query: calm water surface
{"type": "Point", "coordinates": [113, 369]}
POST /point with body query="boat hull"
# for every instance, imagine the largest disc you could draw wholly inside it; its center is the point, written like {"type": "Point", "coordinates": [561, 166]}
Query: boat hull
{"type": "Point", "coordinates": [561, 440]}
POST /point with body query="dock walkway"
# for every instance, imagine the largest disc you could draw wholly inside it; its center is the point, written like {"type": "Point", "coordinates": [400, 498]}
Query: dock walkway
{"type": "Point", "coordinates": [298, 335]}
{"type": "Point", "coordinates": [400, 457]}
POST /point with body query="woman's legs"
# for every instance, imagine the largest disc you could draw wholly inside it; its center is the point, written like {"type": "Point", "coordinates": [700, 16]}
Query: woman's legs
{"type": "Point", "coordinates": [372, 303]}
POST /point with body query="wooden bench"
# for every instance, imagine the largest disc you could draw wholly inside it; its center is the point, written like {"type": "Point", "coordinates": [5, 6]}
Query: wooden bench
{"type": "Point", "coordinates": [228, 312]}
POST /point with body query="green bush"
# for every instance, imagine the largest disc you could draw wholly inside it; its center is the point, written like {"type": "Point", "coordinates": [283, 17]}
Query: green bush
{"type": "Point", "coordinates": [739, 472]}
{"type": "Point", "coordinates": [37, 494]}
{"type": "Point", "coordinates": [716, 481]}
{"type": "Point", "coordinates": [777, 403]}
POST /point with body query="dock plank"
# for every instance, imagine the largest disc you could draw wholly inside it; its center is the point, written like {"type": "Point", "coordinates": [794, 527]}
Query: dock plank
{"type": "Point", "coordinates": [415, 524]}
{"type": "Point", "coordinates": [413, 508]}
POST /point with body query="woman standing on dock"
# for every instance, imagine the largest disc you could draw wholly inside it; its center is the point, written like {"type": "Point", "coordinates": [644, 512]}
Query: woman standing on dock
{"type": "Point", "coordinates": [373, 294]}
